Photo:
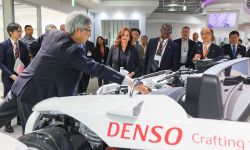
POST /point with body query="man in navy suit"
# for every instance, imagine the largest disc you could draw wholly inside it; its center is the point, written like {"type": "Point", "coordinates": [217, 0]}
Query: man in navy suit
{"type": "Point", "coordinates": [186, 48]}
{"type": "Point", "coordinates": [208, 49]}
{"type": "Point", "coordinates": [233, 49]}
{"type": "Point", "coordinates": [12, 53]}
{"type": "Point", "coordinates": [162, 53]}
{"type": "Point", "coordinates": [56, 70]}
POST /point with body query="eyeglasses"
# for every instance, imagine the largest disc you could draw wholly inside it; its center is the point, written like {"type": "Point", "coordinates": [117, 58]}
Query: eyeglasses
{"type": "Point", "coordinates": [89, 30]}
{"type": "Point", "coordinates": [206, 33]}
{"type": "Point", "coordinates": [165, 30]}
{"type": "Point", "coordinates": [20, 31]}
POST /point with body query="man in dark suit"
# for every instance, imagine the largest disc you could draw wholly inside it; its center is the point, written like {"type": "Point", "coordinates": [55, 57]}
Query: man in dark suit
{"type": "Point", "coordinates": [136, 35]}
{"type": "Point", "coordinates": [13, 53]}
{"type": "Point", "coordinates": [84, 82]}
{"type": "Point", "coordinates": [233, 49]}
{"type": "Point", "coordinates": [208, 49]}
{"type": "Point", "coordinates": [162, 53]}
{"type": "Point", "coordinates": [195, 38]}
{"type": "Point", "coordinates": [56, 70]}
{"type": "Point", "coordinates": [186, 48]}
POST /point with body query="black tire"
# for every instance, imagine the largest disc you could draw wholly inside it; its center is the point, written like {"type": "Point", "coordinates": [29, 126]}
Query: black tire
{"type": "Point", "coordinates": [36, 140]}
{"type": "Point", "coordinates": [55, 138]}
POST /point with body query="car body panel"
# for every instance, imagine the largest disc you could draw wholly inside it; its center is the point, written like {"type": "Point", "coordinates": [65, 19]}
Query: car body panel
{"type": "Point", "coordinates": [10, 143]}
{"type": "Point", "coordinates": [160, 124]}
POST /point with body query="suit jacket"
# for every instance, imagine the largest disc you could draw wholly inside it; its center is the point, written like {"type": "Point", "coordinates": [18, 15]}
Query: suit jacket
{"type": "Point", "coordinates": [56, 70]}
{"type": "Point", "coordinates": [132, 62]}
{"type": "Point", "coordinates": [7, 61]}
{"type": "Point", "coordinates": [34, 46]}
{"type": "Point", "coordinates": [214, 51]}
{"type": "Point", "coordinates": [198, 42]}
{"type": "Point", "coordinates": [90, 48]}
{"type": "Point", "coordinates": [248, 53]}
{"type": "Point", "coordinates": [241, 50]}
{"type": "Point", "coordinates": [170, 59]}
{"type": "Point", "coordinates": [191, 45]}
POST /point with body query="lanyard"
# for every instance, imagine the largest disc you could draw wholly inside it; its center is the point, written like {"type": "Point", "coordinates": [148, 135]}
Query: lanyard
{"type": "Point", "coordinates": [122, 61]}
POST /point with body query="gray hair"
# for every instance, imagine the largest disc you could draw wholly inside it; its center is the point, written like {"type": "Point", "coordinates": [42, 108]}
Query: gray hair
{"type": "Point", "coordinates": [76, 20]}
{"type": "Point", "coordinates": [50, 27]}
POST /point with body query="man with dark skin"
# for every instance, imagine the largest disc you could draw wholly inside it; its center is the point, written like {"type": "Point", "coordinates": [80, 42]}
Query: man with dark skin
{"type": "Point", "coordinates": [162, 53]}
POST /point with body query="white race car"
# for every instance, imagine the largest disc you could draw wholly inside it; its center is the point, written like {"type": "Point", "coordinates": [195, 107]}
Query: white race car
{"type": "Point", "coordinates": [155, 122]}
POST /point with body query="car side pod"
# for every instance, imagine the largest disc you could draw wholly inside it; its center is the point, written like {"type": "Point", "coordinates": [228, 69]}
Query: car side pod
{"type": "Point", "coordinates": [160, 124]}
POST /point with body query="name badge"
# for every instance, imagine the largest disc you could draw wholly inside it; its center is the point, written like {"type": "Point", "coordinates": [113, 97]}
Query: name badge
{"type": "Point", "coordinates": [89, 54]}
{"type": "Point", "coordinates": [184, 53]}
{"type": "Point", "coordinates": [157, 57]}
{"type": "Point", "coordinates": [102, 60]}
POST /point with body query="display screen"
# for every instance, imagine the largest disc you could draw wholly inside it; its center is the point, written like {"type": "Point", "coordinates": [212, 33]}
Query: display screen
{"type": "Point", "coordinates": [222, 20]}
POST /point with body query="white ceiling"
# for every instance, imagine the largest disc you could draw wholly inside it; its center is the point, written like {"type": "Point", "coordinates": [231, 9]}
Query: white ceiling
{"type": "Point", "coordinates": [146, 6]}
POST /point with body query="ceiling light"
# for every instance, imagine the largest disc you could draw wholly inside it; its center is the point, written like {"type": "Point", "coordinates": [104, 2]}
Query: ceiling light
{"type": "Point", "coordinates": [103, 16]}
{"type": "Point", "coordinates": [135, 15]}
{"type": "Point", "coordinates": [184, 8]}
{"type": "Point", "coordinates": [173, 5]}
{"type": "Point", "coordinates": [171, 9]}
{"type": "Point", "coordinates": [119, 15]}
{"type": "Point", "coordinates": [73, 3]}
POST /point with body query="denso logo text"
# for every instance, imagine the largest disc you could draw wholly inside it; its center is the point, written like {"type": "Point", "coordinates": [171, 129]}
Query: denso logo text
{"type": "Point", "coordinates": [152, 134]}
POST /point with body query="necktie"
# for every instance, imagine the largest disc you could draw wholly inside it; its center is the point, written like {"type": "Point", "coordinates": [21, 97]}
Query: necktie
{"type": "Point", "coordinates": [17, 52]}
{"type": "Point", "coordinates": [234, 51]}
{"type": "Point", "coordinates": [159, 50]}
{"type": "Point", "coordinates": [204, 52]}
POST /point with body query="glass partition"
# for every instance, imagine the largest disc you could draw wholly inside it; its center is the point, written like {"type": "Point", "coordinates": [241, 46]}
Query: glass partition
{"type": "Point", "coordinates": [50, 16]}
{"type": "Point", "coordinates": [26, 15]}
{"type": "Point", "coordinates": [1, 22]}
{"type": "Point", "coordinates": [110, 28]}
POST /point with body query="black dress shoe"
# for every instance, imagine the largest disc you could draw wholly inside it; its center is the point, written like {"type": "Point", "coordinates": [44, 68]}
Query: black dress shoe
{"type": "Point", "coordinates": [9, 129]}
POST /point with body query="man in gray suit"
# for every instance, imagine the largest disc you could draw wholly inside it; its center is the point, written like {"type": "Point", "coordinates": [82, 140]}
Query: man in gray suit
{"type": "Point", "coordinates": [56, 70]}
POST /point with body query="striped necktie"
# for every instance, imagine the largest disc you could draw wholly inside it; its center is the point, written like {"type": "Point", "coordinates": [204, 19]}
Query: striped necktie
{"type": "Point", "coordinates": [204, 52]}
{"type": "Point", "coordinates": [17, 51]}
{"type": "Point", "coordinates": [159, 50]}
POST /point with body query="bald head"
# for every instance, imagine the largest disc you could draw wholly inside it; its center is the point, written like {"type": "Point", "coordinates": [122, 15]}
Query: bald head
{"type": "Point", "coordinates": [195, 36]}
{"type": "Point", "coordinates": [62, 27]}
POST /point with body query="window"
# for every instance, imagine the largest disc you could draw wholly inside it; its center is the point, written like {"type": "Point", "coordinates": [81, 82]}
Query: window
{"type": "Point", "coordinates": [110, 28]}
{"type": "Point", "coordinates": [50, 16]}
{"type": "Point", "coordinates": [26, 14]}
{"type": "Point", "coordinates": [1, 22]}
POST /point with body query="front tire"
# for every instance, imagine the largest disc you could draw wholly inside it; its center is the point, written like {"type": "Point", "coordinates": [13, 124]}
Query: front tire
{"type": "Point", "coordinates": [55, 138]}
